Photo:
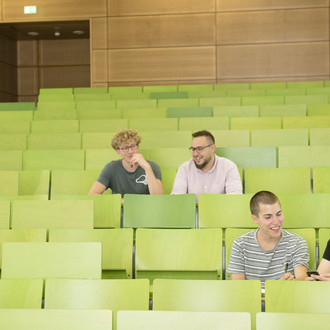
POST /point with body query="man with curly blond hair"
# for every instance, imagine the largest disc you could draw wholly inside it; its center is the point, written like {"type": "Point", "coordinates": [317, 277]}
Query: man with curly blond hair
{"type": "Point", "coordinates": [131, 174]}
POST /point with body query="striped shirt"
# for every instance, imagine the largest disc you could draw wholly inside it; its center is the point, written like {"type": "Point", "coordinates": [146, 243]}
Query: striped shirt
{"type": "Point", "coordinates": [248, 258]}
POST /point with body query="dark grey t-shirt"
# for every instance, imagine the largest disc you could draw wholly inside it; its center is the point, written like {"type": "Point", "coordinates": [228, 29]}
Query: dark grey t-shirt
{"type": "Point", "coordinates": [120, 181]}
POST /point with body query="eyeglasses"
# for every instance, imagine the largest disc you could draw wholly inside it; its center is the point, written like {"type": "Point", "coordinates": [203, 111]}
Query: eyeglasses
{"type": "Point", "coordinates": [199, 149]}
{"type": "Point", "coordinates": [125, 149]}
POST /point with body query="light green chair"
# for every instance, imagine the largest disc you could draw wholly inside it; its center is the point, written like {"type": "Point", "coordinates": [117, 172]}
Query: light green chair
{"type": "Point", "coordinates": [92, 97]}
{"type": "Point", "coordinates": [56, 106]}
{"type": "Point", "coordinates": [162, 88]}
{"type": "Point", "coordinates": [113, 295]}
{"type": "Point", "coordinates": [250, 156]}
{"type": "Point", "coordinates": [318, 91]}
{"type": "Point", "coordinates": [224, 211]}
{"type": "Point", "coordinates": [14, 141]}
{"type": "Point", "coordinates": [55, 126]}
{"type": "Point", "coordinates": [92, 105]}
{"type": "Point", "coordinates": [304, 156]}
{"type": "Point", "coordinates": [174, 320]}
{"type": "Point", "coordinates": [304, 84]}
{"type": "Point", "coordinates": [56, 98]}
{"type": "Point", "coordinates": [90, 90]}
{"type": "Point", "coordinates": [159, 211]}
{"type": "Point", "coordinates": [127, 92]}
{"type": "Point", "coordinates": [20, 126]}
{"type": "Point", "coordinates": [102, 125]}
{"type": "Point", "coordinates": [168, 177]}
{"type": "Point", "coordinates": [168, 95]}
{"type": "Point", "coordinates": [246, 92]}
{"type": "Point", "coordinates": [307, 99]}
{"type": "Point", "coordinates": [318, 110]}
{"type": "Point", "coordinates": [268, 85]}
{"type": "Point", "coordinates": [131, 113]}
{"type": "Point", "coordinates": [39, 319]}
{"type": "Point", "coordinates": [20, 293]}
{"type": "Point", "coordinates": [231, 86]}
{"type": "Point", "coordinates": [153, 124]}
{"type": "Point", "coordinates": [200, 123]}
{"type": "Point", "coordinates": [178, 103]}
{"type": "Point", "coordinates": [11, 160]}
{"type": "Point", "coordinates": [321, 179]}
{"type": "Point", "coordinates": [236, 111]}
{"type": "Point", "coordinates": [170, 157]}
{"type": "Point", "coordinates": [231, 138]}
{"type": "Point", "coordinates": [279, 137]}
{"type": "Point", "coordinates": [4, 214]}
{"type": "Point", "coordinates": [208, 296]}
{"type": "Point", "coordinates": [262, 100]}
{"type": "Point", "coordinates": [320, 136]}
{"type": "Point", "coordinates": [286, 91]}
{"type": "Point", "coordinates": [189, 112]}
{"type": "Point", "coordinates": [117, 247]}
{"type": "Point", "coordinates": [297, 297]}
{"type": "Point", "coordinates": [55, 114]}
{"type": "Point", "coordinates": [53, 159]}
{"type": "Point", "coordinates": [293, 110]}
{"type": "Point", "coordinates": [197, 87]}
{"type": "Point", "coordinates": [93, 114]}
{"type": "Point", "coordinates": [165, 139]}
{"type": "Point", "coordinates": [324, 235]}
{"type": "Point", "coordinates": [136, 104]}
{"type": "Point", "coordinates": [306, 122]}
{"type": "Point", "coordinates": [17, 106]}
{"type": "Point", "coordinates": [278, 180]}
{"type": "Point", "coordinates": [274, 321]}
{"type": "Point", "coordinates": [220, 101]}
{"type": "Point", "coordinates": [207, 94]}
{"type": "Point", "coordinates": [55, 91]}
{"type": "Point", "coordinates": [98, 140]}
{"type": "Point", "coordinates": [96, 159]}
{"type": "Point", "coordinates": [12, 116]}
{"type": "Point", "coordinates": [53, 141]}
{"type": "Point", "coordinates": [52, 214]}
{"type": "Point", "coordinates": [178, 253]}
{"type": "Point", "coordinates": [256, 123]}
{"type": "Point", "coordinates": [51, 260]}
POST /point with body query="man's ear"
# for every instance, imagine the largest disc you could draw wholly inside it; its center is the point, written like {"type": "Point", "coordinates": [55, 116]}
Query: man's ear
{"type": "Point", "coordinates": [213, 147]}
{"type": "Point", "coordinates": [118, 151]}
{"type": "Point", "coordinates": [255, 219]}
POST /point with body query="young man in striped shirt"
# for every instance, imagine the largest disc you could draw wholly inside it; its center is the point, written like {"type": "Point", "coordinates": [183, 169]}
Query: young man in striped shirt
{"type": "Point", "coordinates": [269, 252]}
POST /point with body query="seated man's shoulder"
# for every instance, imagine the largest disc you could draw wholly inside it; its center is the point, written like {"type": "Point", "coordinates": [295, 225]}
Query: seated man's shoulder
{"type": "Point", "coordinates": [247, 237]}
{"type": "Point", "coordinates": [292, 237]}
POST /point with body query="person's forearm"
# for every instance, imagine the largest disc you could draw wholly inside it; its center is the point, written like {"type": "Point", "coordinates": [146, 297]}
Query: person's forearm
{"type": "Point", "coordinates": [155, 186]}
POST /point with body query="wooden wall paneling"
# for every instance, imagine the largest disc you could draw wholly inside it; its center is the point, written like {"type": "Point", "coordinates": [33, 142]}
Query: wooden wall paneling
{"type": "Point", "coordinates": [8, 50]}
{"type": "Point", "coordinates": [99, 30]}
{"type": "Point", "coordinates": [51, 9]}
{"type": "Point", "coordinates": [28, 81]}
{"type": "Point", "coordinates": [273, 26]}
{"type": "Point", "coordinates": [99, 66]}
{"type": "Point", "coordinates": [240, 5]}
{"type": "Point", "coordinates": [161, 31]}
{"type": "Point", "coordinates": [156, 64]}
{"type": "Point", "coordinates": [27, 52]}
{"type": "Point", "coordinates": [1, 18]}
{"type": "Point", "coordinates": [162, 7]}
{"type": "Point", "coordinates": [273, 60]}
{"type": "Point", "coordinates": [8, 81]}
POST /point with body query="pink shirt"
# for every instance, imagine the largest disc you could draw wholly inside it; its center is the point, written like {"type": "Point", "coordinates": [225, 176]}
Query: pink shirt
{"type": "Point", "coordinates": [222, 178]}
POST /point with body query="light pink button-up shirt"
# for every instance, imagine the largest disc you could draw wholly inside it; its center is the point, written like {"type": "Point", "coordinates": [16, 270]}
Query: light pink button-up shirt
{"type": "Point", "coordinates": [222, 178]}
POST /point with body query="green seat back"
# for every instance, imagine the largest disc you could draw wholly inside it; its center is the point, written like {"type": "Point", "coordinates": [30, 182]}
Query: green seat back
{"type": "Point", "coordinates": [170, 157]}
{"type": "Point", "coordinates": [293, 110]}
{"type": "Point", "coordinates": [12, 116]}
{"type": "Point", "coordinates": [178, 103]}
{"type": "Point", "coordinates": [231, 138]}
{"type": "Point", "coordinates": [236, 111]}
{"type": "Point", "coordinates": [14, 141]}
{"type": "Point", "coordinates": [219, 101]}
{"type": "Point", "coordinates": [286, 91]}
{"type": "Point", "coordinates": [262, 100]}
{"type": "Point", "coordinates": [168, 177]}
{"type": "Point", "coordinates": [102, 125]}
{"type": "Point", "coordinates": [320, 136]}
{"type": "Point", "coordinates": [165, 139]}
{"type": "Point", "coordinates": [20, 126]}
{"type": "Point", "coordinates": [55, 91]}
{"type": "Point", "coordinates": [267, 85]}
{"type": "Point", "coordinates": [307, 122]}
{"type": "Point", "coordinates": [136, 104]}
{"type": "Point", "coordinates": [4, 214]}
{"type": "Point", "coordinates": [98, 140]}
{"type": "Point", "coordinates": [256, 123]}
{"type": "Point", "coordinates": [200, 123]}
{"type": "Point", "coordinates": [17, 106]}
{"type": "Point", "coordinates": [304, 84]}
{"type": "Point", "coordinates": [196, 87]}
{"type": "Point", "coordinates": [55, 126]}
{"type": "Point", "coordinates": [324, 234]}
{"type": "Point", "coordinates": [90, 90]}
{"type": "Point", "coordinates": [34, 182]}
{"type": "Point", "coordinates": [92, 97]}
{"type": "Point", "coordinates": [54, 141]}
{"type": "Point", "coordinates": [153, 124]}
{"type": "Point", "coordinates": [231, 86]}
{"type": "Point", "coordinates": [189, 112]}
{"type": "Point", "coordinates": [55, 98]}
{"type": "Point", "coordinates": [321, 179]}
{"type": "Point", "coordinates": [96, 159]}
{"type": "Point", "coordinates": [307, 99]}
{"type": "Point", "coordinates": [246, 92]}
{"type": "Point", "coordinates": [11, 160]}
{"type": "Point", "coordinates": [168, 95]}
{"type": "Point", "coordinates": [93, 114]}
{"type": "Point", "coordinates": [144, 113]}
{"type": "Point", "coordinates": [318, 110]}
{"type": "Point", "coordinates": [92, 105]}
{"type": "Point", "coordinates": [162, 88]}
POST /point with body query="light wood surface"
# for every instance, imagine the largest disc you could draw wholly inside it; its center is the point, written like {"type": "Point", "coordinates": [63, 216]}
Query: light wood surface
{"type": "Point", "coordinates": [99, 32]}
{"type": "Point", "coordinates": [99, 66]}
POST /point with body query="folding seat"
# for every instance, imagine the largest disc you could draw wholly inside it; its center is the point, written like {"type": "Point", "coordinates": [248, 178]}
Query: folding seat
{"type": "Point", "coordinates": [200, 123]}
{"type": "Point", "coordinates": [262, 100]}
{"type": "Point", "coordinates": [174, 320]}
{"type": "Point", "coordinates": [153, 124]}
{"type": "Point", "coordinates": [55, 111]}
{"type": "Point", "coordinates": [170, 157]}
{"type": "Point", "coordinates": [117, 247]}
{"type": "Point", "coordinates": [207, 94]}
{"type": "Point", "coordinates": [20, 293]}
{"type": "Point", "coordinates": [306, 122]}
{"type": "Point", "coordinates": [136, 104]}
{"type": "Point", "coordinates": [274, 321]}
{"type": "Point", "coordinates": [220, 101]}
{"type": "Point", "coordinates": [231, 86]}
{"type": "Point", "coordinates": [90, 90]}
{"type": "Point", "coordinates": [324, 235]}
{"type": "Point", "coordinates": [250, 156]}
{"type": "Point", "coordinates": [304, 156]}
{"type": "Point", "coordinates": [307, 99]}
{"type": "Point", "coordinates": [168, 177]}
{"type": "Point", "coordinates": [55, 126]}
{"type": "Point", "coordinates": [285, 91]}
{"type": "Point", "coordinates": [102, 125]}
{"type": "Point", "coordinates": [165, 139]}
{"type": "Point", "coordinates": [246, 92]}
{"type": "Point", "coordinates": [92, 105]}
{"type": "Point", "coordinates": [92, 97]}
{"type": "Point", "coordinates": [278, 180]}
{"type": "Point", "coordinates": [56, 98]}
{"type": "Point", "coordinates": [56, 106]}
{"type": "Point", "coordinates": [231, 138]}
{"type": "Point", "coordinates": [320, 136]}
{"type": "Point", "coordinates": [279, 137]}
{"type": "Point", "coordinates": [127, 93]}
{"type": "Point", "coordinates": [268, 85]}
{"type": "Point", "coordinates": [99, 114]}
{"type": "Point", "coordinates": [162, 88]}
{"type": "Point", "coordinates": [178, 253]}
{"type": "Point", "coordinates": [194, 88]}
{"type": "Point", "coordinates": [53, 141]}
{"type": "Point", "coordinates": [318, 110]}
{"type": "Point", "coordinates": [256, 123]}
{"type": "Point", "coordinates": [53, 159]}
{"type": "Point", "coordinates": [51, 260]}
{"type": "Point", "coordinates": [98, 140]}
{"type": "Point", "coordinates": [189, 112]}
{"type": "Point", "coordinates": [321, 179]}
{"type": "Point", "coordinates": [178, 103]}
{"type": "Point", "coordinates": [168, 95]}
{"type": "Point", "coordinates": [20, 126]}
{"type": "Point", "coordinates": [304, 84]}
{"type": "Point", "coordinates": [297, 297]}
{"type": "Point", "coordinates": [113, 295]}
{"type": "Point", "coordinates": [144, 113]}
{"type": "Point", "coordinates": [236, 111]}
{"type": "Point", "coordinates": [297, 110]}
{"type": "Point", "coordinates": [4, 214]}
{"type": "Point", "coordinates": [39, 319]}
{"type": "Point", "coordinates": [55, 91]}
{"type": "Point", "coordinates": [11, 160]}
{"type": "Point", "coordinates": [13, 116]}
{"type": "Point", "coordinates": [52, 214]}
{"type": "Point", "coordinates": [96, 159]}
{"type": "Point", "coordinates": [208, 296]}
{"type": "Point", "coordinates": [159, 211]}
{"type": "Point", "coordinates": [13, 141]}
{"type": "Point", "coordinates": [17, 106]}
{"type": "Point", "coordinates": [318, 91]}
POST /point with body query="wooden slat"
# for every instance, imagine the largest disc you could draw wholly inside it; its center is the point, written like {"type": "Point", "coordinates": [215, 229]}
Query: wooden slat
{"type": "Point", "coordinates": [99, 66]}
{"type": "Point", "coordinates": [27, 81]}
{"type": "Point", "coordinates": [99, 33]}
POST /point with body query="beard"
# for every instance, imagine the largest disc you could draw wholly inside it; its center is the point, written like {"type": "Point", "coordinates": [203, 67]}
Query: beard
{"type": "Point", "coordinates": [206, 162]}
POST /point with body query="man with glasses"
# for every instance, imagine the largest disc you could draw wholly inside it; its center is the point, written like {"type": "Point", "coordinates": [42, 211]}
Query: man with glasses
{"type": "Point", "coordinates": [131, 174]}
{"type": "Point", "coordinates": [206, 172]}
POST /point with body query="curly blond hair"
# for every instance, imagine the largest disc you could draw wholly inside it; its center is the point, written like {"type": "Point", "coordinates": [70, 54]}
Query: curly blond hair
{"type": "Point", "coordinates": [124, 136]}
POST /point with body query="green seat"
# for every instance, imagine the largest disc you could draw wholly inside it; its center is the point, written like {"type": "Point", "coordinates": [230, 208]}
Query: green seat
{"type": "Point", "coordinates": [4, 214]}
{"type": "Point", "coordinates": [267, 85]}
{"type": "Point", "coordinates": [250, 156]}
{"type": "Point", "coordinates": [256, 123]}
{"type": "Point", "coordinates": [231, 138]}
{"type": "Point", "coordinates": [93, 105]}
{"type": "Point", "coordinates": [208, 296]}
{"type": "Point", "coordinates": [55, 114]}
{"type": "Point", "coordinates": [117, 247]}
{"type": "Point", "coordinates": [189, 112]}
{"type": "Point", "coordinates": [286, 91]}
{"type": "Point", "coordinates": [324, 234]}
{"type": "Point", "coordinates": [14, 141]}
{"type": "Point", "coordinates": [223, 211]}
{"type": "Point", "coordinates": [278, 180]}
{"type": "Point", "coordinates": [307, 99]}
{"type": "Point", "coordinates": [168, 177]}
{"type": "Point", "coordinates": [321, 179]}
{"type": "Point", "coordinates": [236, 111]}
{"type": "Point", "coordinates": [219, 101]}
{"type": "Point", "coordinates": [307, 122]}
{"type": "Point", "coordinates": [113, 295]}
{"type": "Point", "coordinates": [304, 156]}
{"type": "Point", "coordinates": [96, 159]}
{"type": "Point", "coordinates": [207, 94]}
{"type": "Point", "coordinates": [90, 90]}
{"type": "Point", "coordinates": [165, 139]}
{"type": "Point", "coordinates": [11, 160]}
{"type": "Point", "coordinates": [53, 160]}
{"type": "Point", "coordinates": [107, 208]}
{"type": "Point", "coordinates": [178, 103]}
{"type": "Point", "coordinates": [170, 157]}
{"type": "Point", "coordinates": [53, 141]}
{"type": "Point", "coordinates": [17, 106]}
{"type": "Point", "coordinates": [102, 125]}
{"type": "Point", "coordinates": [168, 95]}
{"type": "Point", "coordinates": [153, 124]}
{"type": "Point", "coordinates": [55, 126]}
{"type": "Point", "coordinates": [200, 123]}
{"type": "Point", "coordinates": [20, 126]}
{"type": "Point", "coordinates": [262, 100]}
{"type": "Point", "coordinates": [127, 92]}
{"type": "Point", "coordinates": [56, 106]}
{"type": "Point", "coordinates": [51, 260]}
{"type": "Point", "coordinates": [92, 97]}
{"type": "Point", "coordinates": [55, 91]}
{"type": "Point", "coordinates": [39, 319]}
{"type": "Point", "coordinates": [12, 116]}
{"type": "Point", "coordinates": [52, 214]}
{"type": "Point", "coordinates": [136, 104]}
{"type": "Point", "coordinates": [98, 140]}
{"type": "Point", "coordinates": [231, 86]}
{"type": "Point", "coordinates": [196, 87]}
{"type": "Point", "coordinates": [246, 92]}
{"type": "Point", "coordinates": [294, 110]}
{"type": "Point", "coordinates": [159, 211]}
{"type": "Point", "coordinates": [297, 297]}
{"type": "Point", "coordinates": [178, 253]}
{"type": "Point", "coordinates": [93, 114]}
{"type": "Point", "coordinates": [144, 113]}
{"type": "Point", "coordinates": [320, 136]}
{"type": "Point", "coordinates": [304, 84]}
{"type": "Point", "coordinates": [318, 91]}
{"type": "Point", "coordinates": [318, 110]}
{"type": "Point", "coordinates": [56, 98]}
{"type": "Point", "coordinates": [162, 88]}
{"type": "Point", "coordinates": [174, 320]}
{"type": "Point", "coordinates": [279, 137]}
{"type": "Point", "coordinates": [274, 321]}
{"type": "Point", "coordinates": [20, 293]}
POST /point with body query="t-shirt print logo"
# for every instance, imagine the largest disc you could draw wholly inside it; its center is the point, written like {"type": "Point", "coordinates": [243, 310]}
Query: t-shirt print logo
{"type": "Point", "coordinates": [142, 179]}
